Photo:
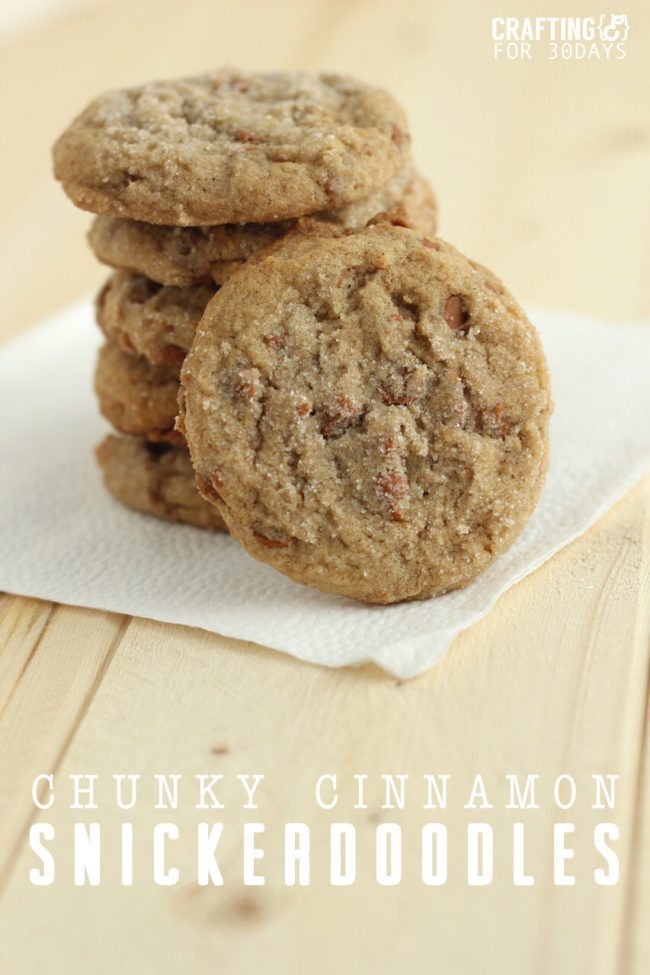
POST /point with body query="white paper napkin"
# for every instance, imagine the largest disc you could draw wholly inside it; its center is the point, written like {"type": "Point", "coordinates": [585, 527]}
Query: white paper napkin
{"type": "Point", "coordinates": [64, 539]}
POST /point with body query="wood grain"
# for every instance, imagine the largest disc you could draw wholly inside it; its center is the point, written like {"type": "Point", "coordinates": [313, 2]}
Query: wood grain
{"type": "Point", "coordinates": [58, 680]}
{"type": "Point", "coordinates": [541, 171]}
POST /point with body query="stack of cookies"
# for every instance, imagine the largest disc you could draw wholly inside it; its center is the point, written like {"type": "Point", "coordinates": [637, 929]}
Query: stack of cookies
{"type": "Point", "coordinates": [365, 409]}
{"type": "Point", "coordinates": [189, 179]}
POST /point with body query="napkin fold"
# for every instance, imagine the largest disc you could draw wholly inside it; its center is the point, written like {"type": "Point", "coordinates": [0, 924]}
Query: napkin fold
{"type": "Point", "coordinates": [64, 539]}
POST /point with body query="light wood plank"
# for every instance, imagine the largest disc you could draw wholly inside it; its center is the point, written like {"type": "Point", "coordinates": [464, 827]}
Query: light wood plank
{"type": "Point", "coordinates": [22, 624]}
{"type": "Point", "coordinates": [635, 941]}
{"type": "Point", "coordinates": [42, 714]}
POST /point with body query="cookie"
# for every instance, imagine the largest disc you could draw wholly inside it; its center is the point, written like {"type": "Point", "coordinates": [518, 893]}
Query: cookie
{"type": "Point", "coordinates": [145, 318]}
{"type": "Point", "coordinates": [369, 413]}
{"type": "Point", "coordinates": [406, 200]}
{"type": "Point", "coordinates": [187, 255]}
{"type": "Point", "coordinates": [156, 479]}
{"type": "Point", "coordinates": [231, 147]}
{"type": "Point", "coordinates": [137, 397]}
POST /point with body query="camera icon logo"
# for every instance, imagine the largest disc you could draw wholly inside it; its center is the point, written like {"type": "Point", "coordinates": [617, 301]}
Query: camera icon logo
{"type": "Point", "coordinates": [613, 28]}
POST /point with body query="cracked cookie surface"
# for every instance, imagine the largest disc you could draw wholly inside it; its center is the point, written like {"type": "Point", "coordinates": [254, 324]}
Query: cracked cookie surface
{"type": "Point", "coordinates": [369, 413]}
{"type": "Point", "coordinates": [137, 397]}
{"type": "Point", "coordinates": [149, 319]}
{"type": "Point", "coordinates": [187, 255]}
{"type": "Point", "coordinates": [231, 146]}
{"type": "Point", "coordinates": [156, 479]}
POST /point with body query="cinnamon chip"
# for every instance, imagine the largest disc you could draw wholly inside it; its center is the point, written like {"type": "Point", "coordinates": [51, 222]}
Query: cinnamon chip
{"type": "Point", "coordinates": [243, 135]}
{"type": "Point", "coordinates": [208, 484]}
{"type": "Point", "coordinates": [392, 487]}
{"type": "Point", "coordinates": [340, 419]}
{"type": "Point", "coordinates": [271, 542]}
{"type": "Point", "coordinates": [455, 313]}
{"type": "Point", "coordinates": [502, 424]}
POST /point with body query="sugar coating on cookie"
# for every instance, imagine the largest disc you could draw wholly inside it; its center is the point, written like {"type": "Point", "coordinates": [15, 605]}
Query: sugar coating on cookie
{"type": "Point", "coordinates": [187, 255]}
{"type": "Point", "coordinates": [137, 397]}
{"type": "Point", "coordinates": [156, 479]}
{"type": "Point", "coordinates": [369, 413]}
{"type": "Point", "coordinates": [229, 146]}
{"type": "Point", "coordinates": [146, 318]}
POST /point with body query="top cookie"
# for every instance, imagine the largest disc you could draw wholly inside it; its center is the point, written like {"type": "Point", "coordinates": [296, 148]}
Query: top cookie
{"type": "Point", "coordinates": [228, 146]}
{"type": "Point", "coordinates": [368, 412]}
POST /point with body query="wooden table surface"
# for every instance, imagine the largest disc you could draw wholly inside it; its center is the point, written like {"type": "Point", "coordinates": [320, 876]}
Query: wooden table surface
{"type": "Point", "coordinates": [542, 173]}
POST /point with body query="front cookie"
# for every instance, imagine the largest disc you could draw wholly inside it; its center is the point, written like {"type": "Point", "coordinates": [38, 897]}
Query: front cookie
{"type": "Point", "coordinates": [369, 413]}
